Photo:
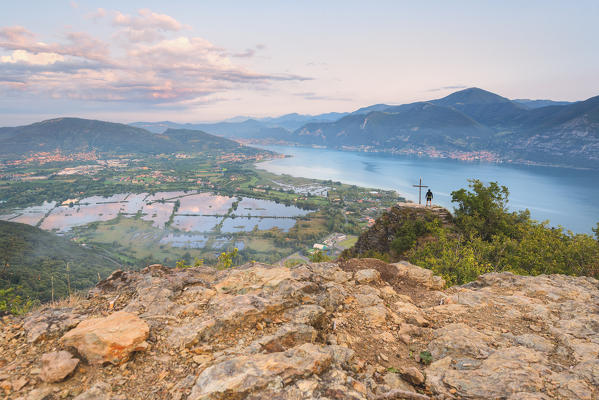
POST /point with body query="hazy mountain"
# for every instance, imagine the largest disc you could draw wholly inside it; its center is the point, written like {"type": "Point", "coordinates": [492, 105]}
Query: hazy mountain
{"type": "Point", "coordinates": [71, 135]}
{"type": "Point", "coordinates": [421, 123]}
{"type": "Point", "coordinates": [540, 103]}
{"type": "Point", "coordinates": [245, 127]}
{"type": "Point", "coordinates": [473, 118]}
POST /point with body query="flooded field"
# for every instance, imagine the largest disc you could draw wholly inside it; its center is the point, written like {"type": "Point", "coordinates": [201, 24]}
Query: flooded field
{"type": "Point", "coordinates": [201, 219]}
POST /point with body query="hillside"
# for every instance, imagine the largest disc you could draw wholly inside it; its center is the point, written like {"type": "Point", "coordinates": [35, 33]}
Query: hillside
{"type": "Point", "coordinates": [29, 257]}
{"type": "Point", "coordinates": [362, 330]}
{"type": "Point", "coordinates": [72, 135]}
{"type": "Point", "coordinates": [419, 124]}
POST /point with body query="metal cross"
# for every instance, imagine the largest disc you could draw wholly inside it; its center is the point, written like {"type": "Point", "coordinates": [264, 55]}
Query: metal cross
{"type": "Point", "coordinates": [420, 186]}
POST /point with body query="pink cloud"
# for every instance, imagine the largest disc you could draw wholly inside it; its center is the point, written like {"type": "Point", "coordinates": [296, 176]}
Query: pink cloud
{"type": "Point", "coordinates": [150, 63]}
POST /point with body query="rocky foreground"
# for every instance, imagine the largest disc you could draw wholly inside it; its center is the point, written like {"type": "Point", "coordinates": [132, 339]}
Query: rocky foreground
{"type": "Point", "coordinates": [356, 330]}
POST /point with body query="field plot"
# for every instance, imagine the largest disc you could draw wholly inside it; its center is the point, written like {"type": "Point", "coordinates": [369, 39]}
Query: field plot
{"type": "Point", "coordinates": [205, 204]}
{"type": "Point", "coordinates": [195, 223]}
{"type": "Point", "coordinates": [158, 213]}
{"type": "Point", "coordinates": [153, 227]}
{"type": "Point", "coordinates": [33, 215]}
{"type": "Point", "coordinates": [266, 208]}
{"type": "Point", "coordinates": [63, 218]}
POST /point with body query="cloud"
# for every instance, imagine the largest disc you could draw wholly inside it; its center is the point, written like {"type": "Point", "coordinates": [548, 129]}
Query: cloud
{"type": "Point", "coordinates": [147, 19]}
{"type": "Point", "coordinates": [153, 62]}
{"type": "Point", "coordinates": [447, 88]}
{"type": "Point", "coordinates": [315, 96]}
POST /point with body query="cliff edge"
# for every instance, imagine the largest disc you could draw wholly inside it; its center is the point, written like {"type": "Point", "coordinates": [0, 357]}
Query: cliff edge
{"type": "Point", "coordinates": [359, 329]}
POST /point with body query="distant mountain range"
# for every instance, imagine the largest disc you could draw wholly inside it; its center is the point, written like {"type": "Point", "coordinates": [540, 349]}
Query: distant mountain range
{"type": "Point", "coordinates": [246, 127]}
{"type": "Point", "coordinates": [465, 122]}
{"type": "Point", "coordinates": [71, 135]}
{"type": "Point", "coordinates": [471, 120]}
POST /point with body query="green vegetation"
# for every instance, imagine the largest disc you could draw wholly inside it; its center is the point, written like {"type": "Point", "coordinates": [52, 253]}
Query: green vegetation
{"type": "Point", "coordinates": [38, 265]}
{"type": "Point", "coordinates": [484, 236]}
{"type": "Point", "coordinates": [426, 357]}
{"type": "Point", "coordinates": [488, 238]}
{"type": "Point", "coordinates": [319, 256]}
{"type": "Point", "coordinates": [12, 303]}
{"type": "Point", "coordinates": [226, 258]}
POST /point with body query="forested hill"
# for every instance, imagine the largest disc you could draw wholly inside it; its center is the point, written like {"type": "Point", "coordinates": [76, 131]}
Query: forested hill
{"type": "Point", "coordinates": [72, 135]}
{"type": "Point", "coordinates": [29, 257]}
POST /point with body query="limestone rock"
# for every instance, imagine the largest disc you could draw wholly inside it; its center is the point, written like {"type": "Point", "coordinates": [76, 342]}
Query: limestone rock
{"type": "Point", "coordinates": [505, 373]}
{"type": "Point", "coordinates": [46, 322]}
{"type": "Point", "coordinates": [412, 375]}
{"type": "Point", "coordinates": [243, 375]}
{"type": "Point", "coordinates": [460, 339]}
{"type": "Point", "coordinates": [423, 276]}
{"type": "Point", "coordinates": [110, 339]}
{"type": "Point", "coordinates": [259, 332]}
{"type": "Point", "coordinates": [367, 276]}
{"type": "Point", "coordinates": [57, 365]}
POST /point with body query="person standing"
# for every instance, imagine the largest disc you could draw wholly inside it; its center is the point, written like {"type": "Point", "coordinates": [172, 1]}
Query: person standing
{"type": "Point", "coordinates": [429, 198]}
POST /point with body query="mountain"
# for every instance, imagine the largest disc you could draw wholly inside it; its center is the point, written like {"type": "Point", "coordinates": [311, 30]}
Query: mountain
{"type": "Point", "coordinates": [484, 107]}
{"type": "Point", "coordinates": [425, 124]}
{"type": "Point", "coordinates": [250, 128]}
{"type": "Point", "coordinates": [71, 135]}
{"type": "Point", "coordinates": [245, 127]}
{"type": "Point", "coordinates": [29, 257]}
{"type": "Point", "coordinates": [470, 119]}
{"type": "Point", "coordinates": [540, 103]}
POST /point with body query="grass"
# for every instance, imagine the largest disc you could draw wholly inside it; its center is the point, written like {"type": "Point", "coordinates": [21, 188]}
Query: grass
{"type": "Point", "coordinates": [349, 242]}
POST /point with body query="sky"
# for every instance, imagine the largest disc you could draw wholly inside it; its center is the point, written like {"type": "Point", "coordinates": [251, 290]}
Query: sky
{"type": "Point", "coordinates": [185, 61]}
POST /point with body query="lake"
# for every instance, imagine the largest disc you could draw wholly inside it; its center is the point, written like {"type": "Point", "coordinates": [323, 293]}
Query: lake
{"type": "Point", "coordinates": [566, 197]}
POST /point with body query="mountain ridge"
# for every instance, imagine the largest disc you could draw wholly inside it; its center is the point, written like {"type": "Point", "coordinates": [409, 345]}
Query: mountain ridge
{"type": "Point", "coordinates": [72, 135]}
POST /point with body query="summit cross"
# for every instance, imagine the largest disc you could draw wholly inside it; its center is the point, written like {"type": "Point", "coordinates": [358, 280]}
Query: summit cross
{"type": "Point", "coordinates": [420, 186]}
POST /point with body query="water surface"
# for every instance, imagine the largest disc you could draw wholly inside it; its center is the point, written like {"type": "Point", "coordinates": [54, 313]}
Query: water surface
{"type": "Point", "coordinates": [566, 197]}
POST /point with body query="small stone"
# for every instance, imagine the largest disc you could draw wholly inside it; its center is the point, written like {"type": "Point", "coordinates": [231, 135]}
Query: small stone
{"type": "Point", "coordinates": [405, 338]}
{"type": "Point", "coordinates": [412, 375]}
{"type": "Point", "coordinates": [383, 357]}
{"type": "Point", "coordinates": [6, 386]}
{"type": "Point", "coordinates": [57, 365]}
{"type": "Point", "coordinates": [18, 384]}
{"type": "Point", "coordinates": [202, 359]}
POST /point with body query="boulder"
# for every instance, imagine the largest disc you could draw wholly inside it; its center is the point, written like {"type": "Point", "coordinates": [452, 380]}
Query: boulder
{"type": "Point", "coordinates": [57, 365]}
{"type": "Point", "coordinates": [110, 339]}
{"type": "Point", "coordinates": [422, 276]}
{"type": "Point", "coordinates": [240, 376]}
{"type": "Point", "coordinates": [367, 275]}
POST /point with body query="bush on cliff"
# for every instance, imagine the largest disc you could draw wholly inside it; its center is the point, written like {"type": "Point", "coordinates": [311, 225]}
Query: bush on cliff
{"type": "Point", "coordinates": [489, 238]}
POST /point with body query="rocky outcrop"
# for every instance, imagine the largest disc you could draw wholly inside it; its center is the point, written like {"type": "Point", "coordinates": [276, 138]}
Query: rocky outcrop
{"type": "Point", "coordinates": [400, 220]}
{"type": "Point", "coordinates": [360, 329]}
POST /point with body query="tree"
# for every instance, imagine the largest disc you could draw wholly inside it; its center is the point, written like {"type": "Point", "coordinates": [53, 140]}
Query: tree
{"type": "Point", "coordinates": [483, 210]}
